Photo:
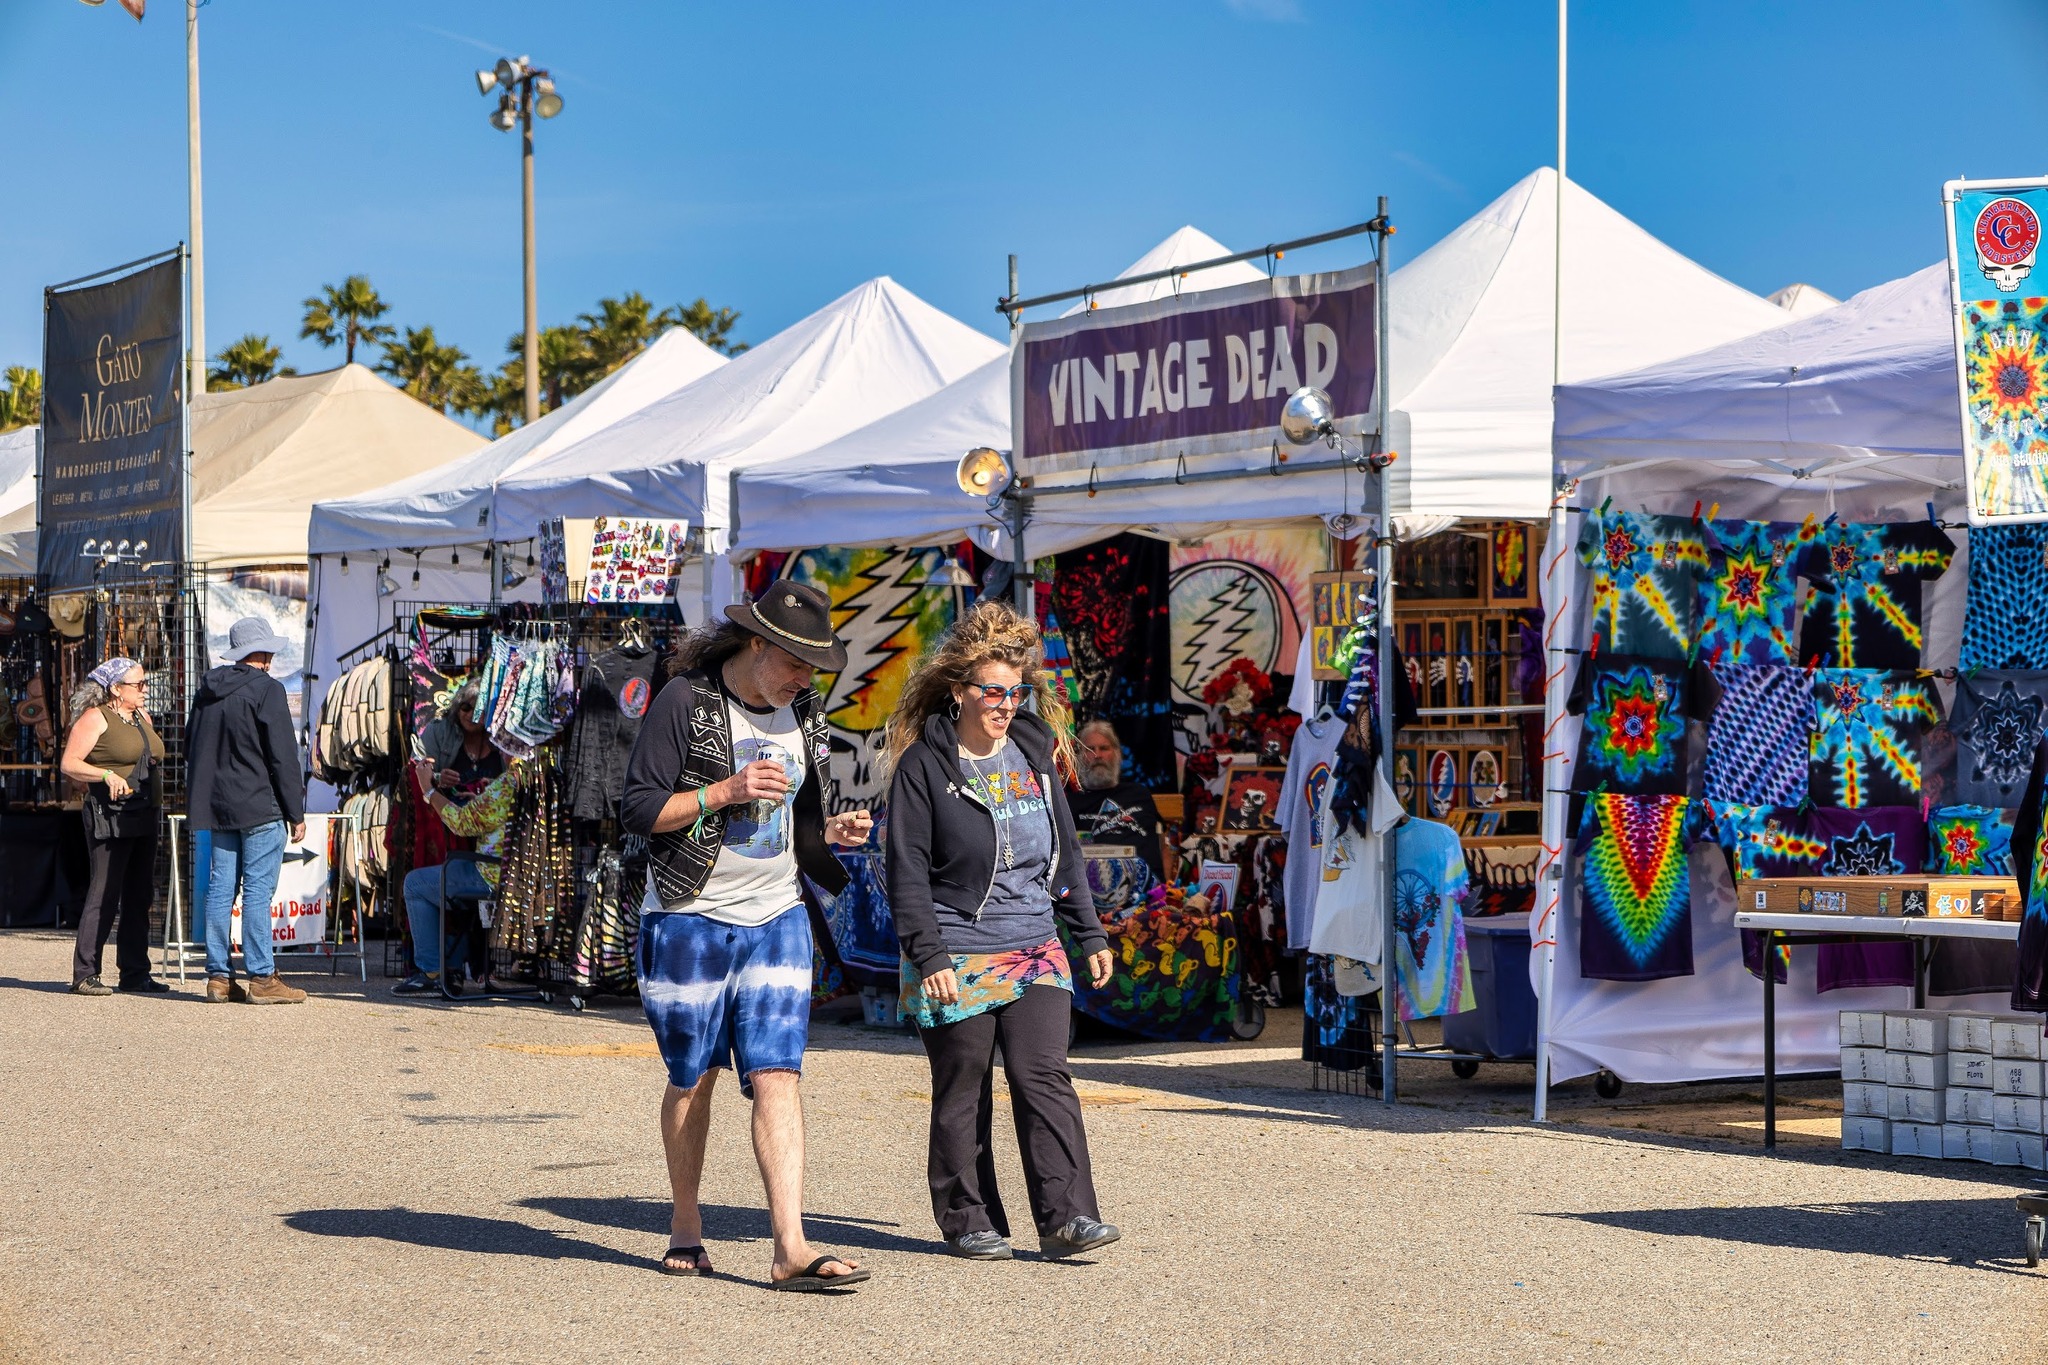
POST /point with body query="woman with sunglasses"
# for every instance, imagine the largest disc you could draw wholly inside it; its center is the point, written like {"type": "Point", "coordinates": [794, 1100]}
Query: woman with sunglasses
{"type": "Point", "coordinates": [984, 867]}
{"type": "Point", "coordinates": [113, 752]}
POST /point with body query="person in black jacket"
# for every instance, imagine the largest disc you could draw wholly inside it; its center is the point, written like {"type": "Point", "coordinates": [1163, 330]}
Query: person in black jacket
{"type": "Point", "coordinates": [244, 789]}
{"type": "Point", "coordinates": [984, 868]}
{"type": "Point", "coordinates": [726, 780]}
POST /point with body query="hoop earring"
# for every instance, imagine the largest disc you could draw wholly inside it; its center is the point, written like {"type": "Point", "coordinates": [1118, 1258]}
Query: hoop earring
{"type": "Point", "coordinates": [953, 711]}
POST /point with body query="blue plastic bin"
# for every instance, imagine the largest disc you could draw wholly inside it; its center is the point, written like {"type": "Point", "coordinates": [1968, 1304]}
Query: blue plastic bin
{"type": "Point", "coordinates": [1504, 1024]}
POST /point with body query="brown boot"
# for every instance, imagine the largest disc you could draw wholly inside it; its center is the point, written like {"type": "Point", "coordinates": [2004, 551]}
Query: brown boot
{"type": "Point", "coordinates": [217, 988]}
{"type": "Point", "coordinates": [268, 990]}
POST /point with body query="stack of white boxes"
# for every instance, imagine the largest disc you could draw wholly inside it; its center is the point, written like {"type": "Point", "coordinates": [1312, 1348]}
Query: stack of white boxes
{"type": "Point", "coordinates": [1965, 1087]}
{"type": "Point", "coordinates": [2016, 1086]}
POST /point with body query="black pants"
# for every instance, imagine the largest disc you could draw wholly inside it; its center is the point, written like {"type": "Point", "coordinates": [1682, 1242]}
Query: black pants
{"type": "Point", "coordinates": [122, 884]}
{"type": "Point", "coordinates": [1032, 1032]}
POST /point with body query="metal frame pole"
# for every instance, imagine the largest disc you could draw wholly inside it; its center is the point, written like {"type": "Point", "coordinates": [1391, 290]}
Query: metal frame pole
{"type": "Point", "coordinates": [1550, 874]}
{"type": "Point", "coordinates": [1383, 583]}
{"type": "Point", "coordinates": [532, 352]}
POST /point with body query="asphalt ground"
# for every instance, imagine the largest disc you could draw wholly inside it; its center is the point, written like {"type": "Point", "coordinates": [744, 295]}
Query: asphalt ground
{"type": "Point", "coordinates": [363, 1176]}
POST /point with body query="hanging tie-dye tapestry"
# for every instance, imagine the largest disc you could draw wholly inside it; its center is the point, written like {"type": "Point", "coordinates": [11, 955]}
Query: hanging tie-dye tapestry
{"type": "Point", "coordinates": [1636, 888]}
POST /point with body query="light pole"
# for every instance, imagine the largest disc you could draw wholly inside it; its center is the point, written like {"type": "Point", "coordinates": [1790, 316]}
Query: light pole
{"type": "Point", "coordinates": [523, 91]}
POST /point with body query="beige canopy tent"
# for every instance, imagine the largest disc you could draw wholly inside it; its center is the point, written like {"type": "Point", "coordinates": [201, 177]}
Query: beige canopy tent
{"type": "Point", "coordinates": [262, 456]}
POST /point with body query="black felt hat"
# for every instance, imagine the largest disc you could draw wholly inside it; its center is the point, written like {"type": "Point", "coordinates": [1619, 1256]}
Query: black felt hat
{"type": "Point", "coordinates": [795, 617]}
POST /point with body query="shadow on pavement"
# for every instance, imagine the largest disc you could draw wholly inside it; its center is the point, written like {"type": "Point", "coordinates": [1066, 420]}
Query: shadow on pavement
{"type": "Point", "coordinates": [724, 1222]}
{"type": "Point", "coordinates": [1958, 1231]}
{"type": "Point", "coordinates": [456, 1232]}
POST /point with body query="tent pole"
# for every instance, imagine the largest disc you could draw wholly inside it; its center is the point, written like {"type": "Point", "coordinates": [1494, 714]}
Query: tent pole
{"type": "Point", "coordinates": [1383, 584]}
{"type": "Point", "coordinates": [1556, 777]}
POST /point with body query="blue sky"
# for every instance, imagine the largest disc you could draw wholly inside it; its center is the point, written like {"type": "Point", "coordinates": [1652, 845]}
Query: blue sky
{"type": "Point", "coordinates": [771, 156]}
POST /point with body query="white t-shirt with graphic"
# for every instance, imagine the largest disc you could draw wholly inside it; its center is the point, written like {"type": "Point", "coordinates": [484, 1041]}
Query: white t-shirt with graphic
{"type": "Point", "coordinates": [754, 879]}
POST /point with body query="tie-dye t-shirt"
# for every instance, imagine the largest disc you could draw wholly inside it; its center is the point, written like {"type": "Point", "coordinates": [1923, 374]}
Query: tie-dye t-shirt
{"type": "Point", "coordinates": [1432, 973]}
{"type": "Point", "coordinates": [1820, 841]}
{"type": "Point", "coordinates": [1867, 729]}
{"type": "Point", "coordinates": [1636, 888]}
{"type": "Point", "coordinates": [1646, 574]}
{"type": "Point", "coordinates": [1865, 608]}
{"type": "Point", "coordinates": [2005, 615]}
{"type": "Point", "coordinates": [1998, 718]}
{"type": "Point", "coordinates": [1634, 736]}
{"type": "Point", "coordinates": [1749, 596]}
{"type": "Point", "coordinates": [1970, 841]}
{"type": "Point", "coordinates": [1759, 733]}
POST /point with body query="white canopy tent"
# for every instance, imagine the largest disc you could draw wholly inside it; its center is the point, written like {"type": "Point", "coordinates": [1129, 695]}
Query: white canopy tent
{"type": "Point", "coordinates": [18, 490]}
{"type": "Point", "coordinates": [1470, 325]}
{"type": "Point", "coordinates": [866, 354]}
{"type": "Point", "coordinates": [897, 473]}
{"type": "Point", "coordinates": [1851, 411]}
{"type": "Point", "coordinates": [1803, 300]}
{"type": "Point", "coordinates": [451, 505]}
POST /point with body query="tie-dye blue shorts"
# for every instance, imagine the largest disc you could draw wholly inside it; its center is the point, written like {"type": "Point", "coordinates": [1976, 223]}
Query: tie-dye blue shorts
{"type": "Point", "coordinates": [717, 992]}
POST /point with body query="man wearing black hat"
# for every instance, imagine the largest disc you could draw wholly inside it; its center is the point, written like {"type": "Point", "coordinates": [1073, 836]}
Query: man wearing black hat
{"type": "Point", "coordinates": [244, 786]}
{"type": "Point", "coordinates": [727, 781]}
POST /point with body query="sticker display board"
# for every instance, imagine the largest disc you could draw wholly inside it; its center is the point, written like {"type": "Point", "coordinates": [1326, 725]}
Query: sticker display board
{"type": "Point", "coordinates": [634, 559]}
{"type": "Point", "coordinates": [2000, 306]}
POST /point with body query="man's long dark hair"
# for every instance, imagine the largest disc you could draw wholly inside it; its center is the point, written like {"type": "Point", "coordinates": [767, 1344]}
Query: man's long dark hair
{"type": "Point", "coordinates": [707, 647]}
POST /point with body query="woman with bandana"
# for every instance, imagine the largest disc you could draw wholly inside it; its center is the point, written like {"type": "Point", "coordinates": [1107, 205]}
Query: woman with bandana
{"type": "Point", "coordinates": [114, 752]}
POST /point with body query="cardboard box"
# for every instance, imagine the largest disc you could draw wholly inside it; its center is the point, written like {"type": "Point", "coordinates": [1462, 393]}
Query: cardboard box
{"type": "Point", "coordinates": [1943, 897]}
{"type": "Point", "coordinates": [1916, 1139]}
{"type": "Point", "coordinates": [1866, 1064]}
{"type": "Point", "coordinates": [2016, 1035]}
{"type": "Point", "coordinates": [1904, 1105]}
{"type": "Point", "coordinates": [1915, 1031]}
{"type": "Point", "coordinates": [1866, 1099]}
{"type": "Point", "coordinates": [1969, 1033]}
{"type": "Point", "coordinates": [2017, 1149]}
{"type": "Point", "coordinates": [1865, 1028]}
{"type": "Point", "coordinates": [1969, 1069]}
{"type": "Point", "coordinates": [1959, 1142]}
{"type": "Point", "coordinates": [1962, 1106]}
{"type": "Point", "coordinates": [2009, 1076]}
{"type": "Point", "coordinates": [1916, 1070]}
{"type": "Point", "coordinates": [1864, 1134]}
{"type": "Point", "coordinates": [2016, 1113]}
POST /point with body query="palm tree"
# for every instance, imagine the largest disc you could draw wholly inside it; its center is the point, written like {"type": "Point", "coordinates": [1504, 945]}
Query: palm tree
{"type": "Point", "coordinates": [251, 359]}
{"type": "Point", "coordinates": [713, 326]}
{"type": "Point", "coordinates": [346, 314]}
{"type": "Point", "coordinates": [621, 329]}
{"type": "Point", "coordinates": [21, 402]}
{"type": "Point", "coordinates": [439, 376]}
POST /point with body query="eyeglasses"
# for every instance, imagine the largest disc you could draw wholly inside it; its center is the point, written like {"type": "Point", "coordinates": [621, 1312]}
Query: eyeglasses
{"type": "Point", "coordinates": [137, 683]}
{"type": "Point", "coordinates": [993, 696]}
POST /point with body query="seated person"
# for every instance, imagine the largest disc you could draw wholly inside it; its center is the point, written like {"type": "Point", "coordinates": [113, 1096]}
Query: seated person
{"type": "Point", "coordinates": [482, 817]}
{"type": "Point", "coordinates": [465, 760]}
{"type": "Point", "coordinates": [1109, 810]}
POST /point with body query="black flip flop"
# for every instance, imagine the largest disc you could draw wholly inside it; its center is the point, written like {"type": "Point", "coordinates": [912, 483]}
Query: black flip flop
{"type": "Point", "coordinates": [694, 1253]}
{"type": "Point", "coordinates": [811, 1282]}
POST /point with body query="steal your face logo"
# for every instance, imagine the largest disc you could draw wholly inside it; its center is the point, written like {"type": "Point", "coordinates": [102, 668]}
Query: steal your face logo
{"type": "Point", "coordinates": [2007, 236]}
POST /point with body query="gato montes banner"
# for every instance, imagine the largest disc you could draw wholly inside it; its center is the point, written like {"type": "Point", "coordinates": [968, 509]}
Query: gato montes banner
{"type": "Point", "coordinates": [1203, 374]}
{"type": "Point", "coordinates": [2000, 302]}
{"type": "Point", "coordinates": [113, 426]}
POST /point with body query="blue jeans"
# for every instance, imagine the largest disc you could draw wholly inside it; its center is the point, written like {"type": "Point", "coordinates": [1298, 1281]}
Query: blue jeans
{"type": "Point", "coordinates": [245, 860]}
{"type": "Point", "coordinates": [423, 907]}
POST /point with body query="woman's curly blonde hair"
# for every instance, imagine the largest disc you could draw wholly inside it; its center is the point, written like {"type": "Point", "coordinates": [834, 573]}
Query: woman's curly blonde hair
{"type": "Point", "coordinates": [990, 632]}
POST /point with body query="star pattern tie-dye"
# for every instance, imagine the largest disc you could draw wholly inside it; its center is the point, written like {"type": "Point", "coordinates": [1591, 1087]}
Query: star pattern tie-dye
{"type": "Point", "coordinates": [1633, 739]}
{"type": "Point", "coordinates": [1867, 730]}
{"type": "Point", "coordinates": [1865, 608]}
{"type": "Point", "coordinates": [1646, 573]}
{"type": "Point", "coordinates": [1636, 888]}
{"type": "Point", "coordinates": [1749, 596]}
{"type": "Point", "coordinates": [1969, 841]}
